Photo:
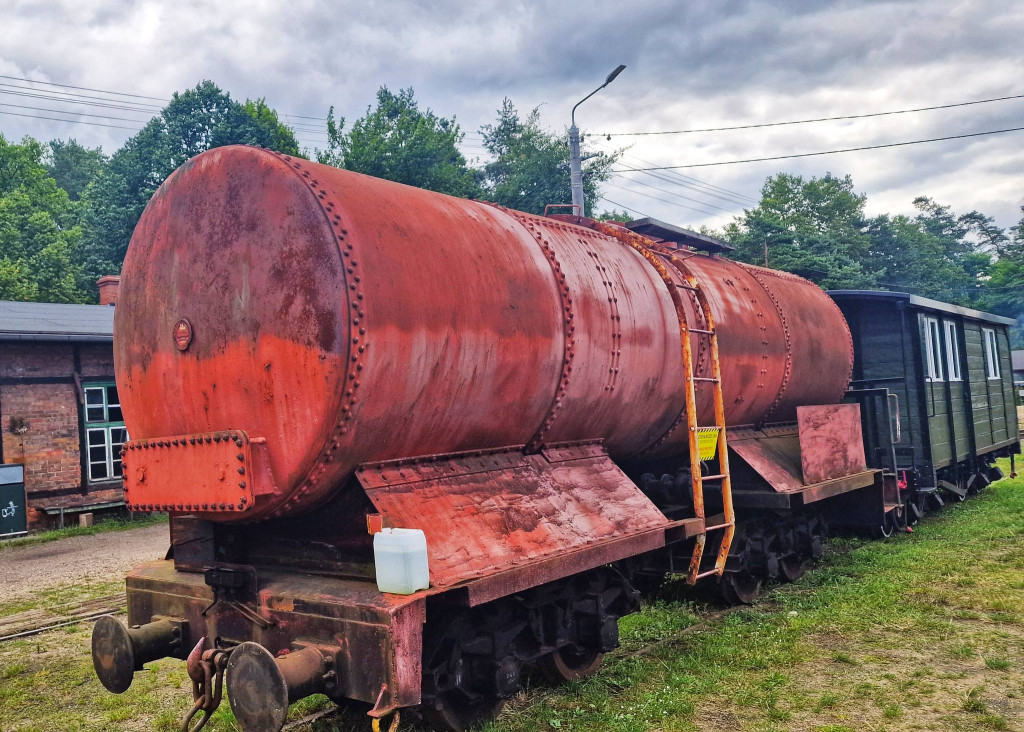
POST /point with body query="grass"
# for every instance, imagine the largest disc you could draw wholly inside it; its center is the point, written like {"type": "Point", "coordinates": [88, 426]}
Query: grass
{"type": "Point", "coordinates": [110, 524]}
{"type": "Point", "coordinates": [920, 632]}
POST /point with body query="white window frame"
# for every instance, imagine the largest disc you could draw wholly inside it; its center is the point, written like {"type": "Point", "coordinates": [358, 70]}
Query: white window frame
{"type": "Point", "coordinates": [932, 348]}
{"type": "Point", "coordinates": [100, 433]}
{"type": "Point", "coordinates": [952, 351]}
{"type": "Point", "coordinates": [991, 353]}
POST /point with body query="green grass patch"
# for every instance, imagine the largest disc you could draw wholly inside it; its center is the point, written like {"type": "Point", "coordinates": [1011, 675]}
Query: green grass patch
{"type": "Point", "coordinates": [110, 524]}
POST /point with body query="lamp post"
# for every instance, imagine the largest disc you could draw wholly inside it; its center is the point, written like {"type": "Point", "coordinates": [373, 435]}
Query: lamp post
{"type": "Point", "coordinates": [575, 163]}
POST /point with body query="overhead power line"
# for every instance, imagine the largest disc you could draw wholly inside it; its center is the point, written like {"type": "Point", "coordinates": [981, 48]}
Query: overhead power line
{"type": "Point", "coordinates": [816, 119]}
{"type": "Point", "coordinates": [686, 181]}
{"type": "Point", "coordinates": [71, 121]}
{"type": "Point", "coordinates": [668, 192]}
{"type": "Point", "coordinates": [622, 205]}
{"type": "Point", "coordinates": [827, 152]}
{"type": "Point", "coordinates": [65, 111]}
{"type": "Point", "coordinates": [696, 186]}
{"type": "Point", "coordinates": [116, 104]}
{"type": "Point", "coordinates": [663, 200]}
{"type": "Point", "coordinates": [82, 88]}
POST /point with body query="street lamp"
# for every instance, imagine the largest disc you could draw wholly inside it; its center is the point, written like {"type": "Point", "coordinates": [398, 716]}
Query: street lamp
{"type": "Point", "coordinates": [575, 163]}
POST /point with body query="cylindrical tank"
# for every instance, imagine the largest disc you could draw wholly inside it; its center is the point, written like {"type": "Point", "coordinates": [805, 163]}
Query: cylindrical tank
{"type": "Point", "coordinates": [346, 319]}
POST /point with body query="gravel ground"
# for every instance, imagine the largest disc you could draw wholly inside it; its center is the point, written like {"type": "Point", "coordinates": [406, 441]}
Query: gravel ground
{"type": "Point", "coordinates": [25, 571]}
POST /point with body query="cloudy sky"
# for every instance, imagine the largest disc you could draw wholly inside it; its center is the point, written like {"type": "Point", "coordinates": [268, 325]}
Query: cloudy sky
{"type": "Point", "coordinates": [690, 65]}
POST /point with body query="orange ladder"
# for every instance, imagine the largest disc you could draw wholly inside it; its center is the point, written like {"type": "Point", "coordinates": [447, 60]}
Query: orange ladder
{"type": "Point", "coordinates": [722, 450]}
{"type": "Point", "coordinates": [644, 246]}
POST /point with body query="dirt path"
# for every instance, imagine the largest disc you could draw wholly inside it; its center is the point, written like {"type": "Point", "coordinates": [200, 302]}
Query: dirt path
{"type": "Point", "coordinates": [26, 571]}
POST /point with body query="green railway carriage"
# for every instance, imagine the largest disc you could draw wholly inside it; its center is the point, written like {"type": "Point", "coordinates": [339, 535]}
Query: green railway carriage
{"type": "Point", "coordinates": [937, 383]}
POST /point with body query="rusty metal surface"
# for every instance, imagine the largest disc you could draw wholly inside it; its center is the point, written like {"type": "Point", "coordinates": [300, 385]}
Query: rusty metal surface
{"type": "Point", "coordinates": [485, 512]}
{"type": "Point", "coordinates": [831, 443]}
{"type": "Point", "coordinates": [776, 456]}
{"type": "Point", "coordinates": [782, 343]}
{"type": "Point", "coordinates": [845, 484]}
{"type": "Point", "coordinates": [380, 635]}
{"type": "Point", "coordinates": [501, 584]}
{"type": "Point", "coordinates": [212, 471]}
{"type": "Point", "coordinates": [346, 319]}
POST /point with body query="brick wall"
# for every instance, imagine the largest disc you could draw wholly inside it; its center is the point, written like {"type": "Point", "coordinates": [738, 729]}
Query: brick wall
{"type": "Point", "coordinates": [97, 360]}
{"type": "Point", "coordinates": [44, 434]}
{"type": "Point", "coordinates": [20, 359]}
{"type": "Point", "coordinates": [46, 415]}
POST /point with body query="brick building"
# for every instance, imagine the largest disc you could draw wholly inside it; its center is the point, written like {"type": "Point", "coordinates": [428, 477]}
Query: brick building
{"type": "Point", "coordinates": [59, 411]}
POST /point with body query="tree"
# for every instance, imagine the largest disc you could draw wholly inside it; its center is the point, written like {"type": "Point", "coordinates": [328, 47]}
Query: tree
{"type": "Point", "coordinates": [39, 231]}
{"type": "Point", "coordinates": [906, 255]}
{"type": "Point", "coordinates": [531, 165]}
{"type": "Point", "coordinates": [614, 215]}
{"type": "Point", "coordinates": [813, 228]}
{"type": "Point", "coordinates": [1004, 290]}
{"type": "Point", "coordinates": [73, 166]}
{"type": "Point", "coordinates": [397, 141]}
{"type": "Point", "coordinates": [194, 121]}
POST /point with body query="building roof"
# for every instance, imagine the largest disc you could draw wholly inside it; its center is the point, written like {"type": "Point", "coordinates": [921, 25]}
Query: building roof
{"type": "Point", "coordinates": [924, 303]}
{"type": "Point", "coordinates": [1017, 358]}
{"type": "Point", "coordinates": [45, 321]}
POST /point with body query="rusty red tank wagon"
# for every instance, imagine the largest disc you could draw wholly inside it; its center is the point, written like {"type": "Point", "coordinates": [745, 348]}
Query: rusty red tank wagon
{"type": "Point", "coordinates": [306, 355]}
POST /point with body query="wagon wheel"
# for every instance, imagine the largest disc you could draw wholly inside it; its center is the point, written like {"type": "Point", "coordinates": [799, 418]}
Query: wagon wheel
{"type": "Point", "coordinates": [569, 663]}
{"type": "Point", "coordinates": [793, 566]}
{"type": "Point", "coordinates": [455, 712]}
{"type": "Point", "coordinates": [739, 588]}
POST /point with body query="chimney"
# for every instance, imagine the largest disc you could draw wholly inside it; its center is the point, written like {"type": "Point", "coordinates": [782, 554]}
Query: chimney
{"type": "Point", "coordinates": [108, 285]}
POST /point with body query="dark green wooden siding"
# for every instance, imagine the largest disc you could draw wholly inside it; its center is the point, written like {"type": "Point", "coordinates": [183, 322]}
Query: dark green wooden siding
{"type": "Point", "coordinates": [943, 421]}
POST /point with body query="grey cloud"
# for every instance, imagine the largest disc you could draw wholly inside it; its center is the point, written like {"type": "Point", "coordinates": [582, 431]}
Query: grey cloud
{"type": "Point", "coordinates": [690, 65]}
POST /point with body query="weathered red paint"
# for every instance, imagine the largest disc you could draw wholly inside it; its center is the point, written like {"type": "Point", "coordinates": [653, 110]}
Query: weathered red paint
{"type": "Point", "coordinates": [502, 509]}
{"type": "Point", "coordinates": [831, 441]}
{"type": "Point", "coordinates": [346, 319]}
{"type": "Point", "coordinates": [774, 453]}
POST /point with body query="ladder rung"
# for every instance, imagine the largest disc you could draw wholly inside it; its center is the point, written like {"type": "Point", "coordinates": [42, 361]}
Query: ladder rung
{"type": "Point", "coordinates": [710, 572]}
{"type": "Point", "coordinates": [702, 332]}
{"type": "Point", "coordinates": [705, 378]}
{"type": "Point", "coordinates": [711, 477]}
{"type": "Point", "coordinates": [716, 527]}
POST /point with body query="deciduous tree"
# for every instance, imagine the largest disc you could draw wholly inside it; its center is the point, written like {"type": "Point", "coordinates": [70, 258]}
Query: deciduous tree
{"type": "Point", "coordinates": [39, 231]}
{"type": "Point", "coordinates": [73, 166]}
{"type": "Point", "coordinates": [194, 121]}
{"type": "Point", "coordinates": [398, 141]}
{"type": "Point", "coordinates": [530, 168]}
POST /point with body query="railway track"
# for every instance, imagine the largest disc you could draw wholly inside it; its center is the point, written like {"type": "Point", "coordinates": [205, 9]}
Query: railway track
{"type": "Point", "coordinates": [33, 622]}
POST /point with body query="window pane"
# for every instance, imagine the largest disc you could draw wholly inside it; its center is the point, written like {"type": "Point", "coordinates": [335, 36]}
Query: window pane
{"type": "Point", "coordinates": [98, 471]}
{"type": "Point", "coordinates": [117, 469]}
{"type": "Point", "coordinates": [97, 454]}
{"type": "Point", "coordinates": [112, 395]}
{"type": "Point", "coordinates": [96, 437]}
{"type": "Point", "coordinates": [94, 414]}
{"type": "Point", "coordinates": [118, 435]}
{"type": "Point", "coordinates": [114, 415]}
{"type": "Point", "coordinates": [94, 395]}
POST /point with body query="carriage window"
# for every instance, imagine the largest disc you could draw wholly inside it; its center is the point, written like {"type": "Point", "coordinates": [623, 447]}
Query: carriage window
{"type": "Point", "coordinates": [933, 354]}
{"type": "Point", "coordinates": [952, 351]}
{"type": "Point", "coordinates": [991, 353]}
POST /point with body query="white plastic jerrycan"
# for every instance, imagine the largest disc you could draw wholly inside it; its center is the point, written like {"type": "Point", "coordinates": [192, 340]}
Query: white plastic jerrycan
{"type": "Point", "coordinates": [401, 559]}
